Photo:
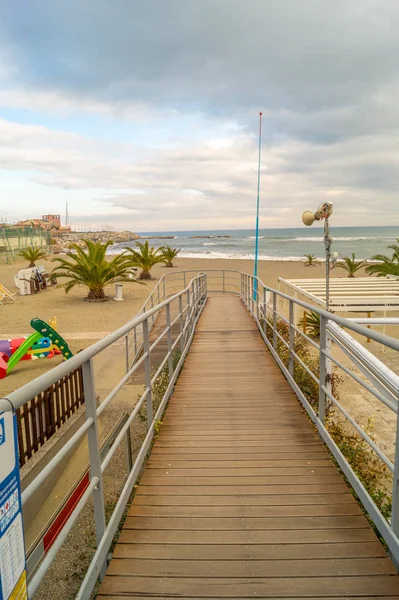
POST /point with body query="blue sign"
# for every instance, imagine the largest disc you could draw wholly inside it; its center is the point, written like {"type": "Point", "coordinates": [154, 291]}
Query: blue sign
{"type": "Point", "coordinates": [2, 431]}
{"type": "Point", "coordinates": [12, 545]}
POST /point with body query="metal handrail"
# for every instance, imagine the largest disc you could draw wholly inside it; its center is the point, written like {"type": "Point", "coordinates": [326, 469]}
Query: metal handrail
{"type": "Point", "coordinates": [262, 303]}
{"type": "Point", "coordinates": [384, 383]}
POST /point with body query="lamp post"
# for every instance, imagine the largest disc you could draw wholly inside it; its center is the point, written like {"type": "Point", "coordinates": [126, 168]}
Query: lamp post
{"type": "Point", "coordinates": [324, 212]}
{"type": "Point", "coordinates": [255, 291]}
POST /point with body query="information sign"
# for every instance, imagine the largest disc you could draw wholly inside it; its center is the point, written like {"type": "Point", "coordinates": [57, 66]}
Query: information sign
{"type": "Point", "coordinates": [13, 584]}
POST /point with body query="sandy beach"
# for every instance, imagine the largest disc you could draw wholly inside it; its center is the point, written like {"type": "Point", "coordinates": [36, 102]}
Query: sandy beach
{"type": "Point", "coordinates": [75, 315]}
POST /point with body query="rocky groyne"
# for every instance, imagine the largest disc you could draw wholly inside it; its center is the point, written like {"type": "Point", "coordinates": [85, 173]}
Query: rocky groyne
{"type": "Point", "coordinates": [60, 242]}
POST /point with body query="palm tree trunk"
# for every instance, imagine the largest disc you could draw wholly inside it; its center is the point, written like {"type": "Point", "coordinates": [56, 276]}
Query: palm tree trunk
{"type": "Point", "coordinates": [145, 274]}
{"type": "Point", "coordinates": [96, 294]}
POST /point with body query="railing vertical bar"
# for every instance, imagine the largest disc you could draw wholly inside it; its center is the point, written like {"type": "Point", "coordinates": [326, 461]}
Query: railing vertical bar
{"type": "Point", "coordinates": [322, 368]}
{"type": "Point", "coordinates": [265, 310]}
{"type": "Point", "coordinates": [291, 339]}
{"type": "Point", "coordinates": [169, 341]}
{"type": "Point", "coordinates": [94, 454]}
{"type": "Point", "coordinates": [135, 341]}
{"type": "Point", "coordinates": [274, 321]}
{"type": "Point", "coordinates": [181, 323]}
{"type": "Point", "coordinates": [147, 369]}
{"type": "Point", "coordinates": [127, 352]}
{"type": "Point", "coordinates": [129, 454]}
{"type": "Point", "coordinates": [395, 484]}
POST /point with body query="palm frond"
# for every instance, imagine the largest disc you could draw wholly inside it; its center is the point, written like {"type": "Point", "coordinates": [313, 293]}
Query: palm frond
{"type": "Point", "coordinates": [89, 267]}
{"type": "Point", "coordinates": [351, 265]}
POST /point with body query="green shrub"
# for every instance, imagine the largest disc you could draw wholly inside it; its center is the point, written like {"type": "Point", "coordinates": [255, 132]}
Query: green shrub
{"type": "Point", "coordinates": [370, 469]}
{"type": "Point", "coordinates": [306, 383]}
{"type": "Point", "coordinates": [160, 386]}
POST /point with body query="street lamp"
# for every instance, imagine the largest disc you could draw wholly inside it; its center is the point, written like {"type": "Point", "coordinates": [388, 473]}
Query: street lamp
{"type": "Point", "coordinates": [324, 212]}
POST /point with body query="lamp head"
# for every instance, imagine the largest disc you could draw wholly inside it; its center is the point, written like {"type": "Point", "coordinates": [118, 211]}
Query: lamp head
{"type": "Point", "coordinates": [334, 258]}
{"type": "Point", "coordinates": [325, 210]}
{"type": "Point", "coordinates": [308, 218]}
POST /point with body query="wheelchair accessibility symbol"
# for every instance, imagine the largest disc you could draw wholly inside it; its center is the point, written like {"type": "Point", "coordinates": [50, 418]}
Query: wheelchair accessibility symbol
{"type": "Point", "coordinates": [2, 431]}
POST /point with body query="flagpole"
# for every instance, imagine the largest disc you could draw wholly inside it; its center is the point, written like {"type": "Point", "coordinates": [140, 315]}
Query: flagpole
{"type": "Point", "coordinates": [257, 213]}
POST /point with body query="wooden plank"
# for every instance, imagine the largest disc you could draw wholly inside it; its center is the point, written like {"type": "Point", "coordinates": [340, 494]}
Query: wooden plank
{"type": "Point", "coordinates": [151, 479]}
{"type": "Point", "coordinates": [245, 511]}
{"type": "Point", "coordinates": [289, 587]}
{"type": "Point", "coordinates": [243, 472]}
{"type": "Point", "coordinates": [216, 463]}
{"type": "Point", "coordinates": [246, 523]}
{"type": "Point", "coordinates": [192, 499]}
{"type": "Point", "coordinates": [308, 536]}
{"type": "Point", "coordinates": [247, 552]}
{"type": "Point", "coordinates": [163, 597]}
{"type": "Point", "coordinates": [242, 451]}
{"type": "Point", "coordinates": [343, 567]}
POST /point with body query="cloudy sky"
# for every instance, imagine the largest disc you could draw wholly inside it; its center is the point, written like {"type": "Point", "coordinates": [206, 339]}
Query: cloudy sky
{"type": "Point", "coordinates": [143, 114]}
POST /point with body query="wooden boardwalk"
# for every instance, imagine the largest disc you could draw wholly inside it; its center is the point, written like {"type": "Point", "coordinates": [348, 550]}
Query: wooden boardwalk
{"type": "Point", "coordinates": [239, 498]}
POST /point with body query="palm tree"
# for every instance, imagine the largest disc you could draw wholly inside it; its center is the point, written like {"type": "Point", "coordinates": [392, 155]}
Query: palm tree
{"type": "Point", "coordinates": [169, 254]}
{"type": "Point", "coordinates": [310, 260]}
{"type": "Point", "coordinates": [145, 257]}
{"type": "Point", "coordinates": [311, 324]}
{"type": "Point", "coordinates": [89, 267]}
{"type": "Point", "coordinates": [32, 254]}
{"type": "Point", "coordinates": [351, 265]}
{"type": "Point", "coordinates": [386, 265]}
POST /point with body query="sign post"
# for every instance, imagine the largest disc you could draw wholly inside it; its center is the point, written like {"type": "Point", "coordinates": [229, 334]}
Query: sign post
{"type": "Point", "coordinates": [13, 584]}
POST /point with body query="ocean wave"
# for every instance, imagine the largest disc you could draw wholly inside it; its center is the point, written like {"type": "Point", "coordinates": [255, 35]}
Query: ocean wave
{"type": "Point", "coordinates": [335, 239]}
{"type": "Point", "coordinates": [210, 244]}
{"type": "Point", "coordinates": [220, 255]}
{"type": "Point", "coordinates": [253, 237]}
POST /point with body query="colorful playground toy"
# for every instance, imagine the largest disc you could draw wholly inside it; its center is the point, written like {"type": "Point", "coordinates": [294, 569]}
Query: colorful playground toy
{"type": "Point", "coordinates": [46, 342]}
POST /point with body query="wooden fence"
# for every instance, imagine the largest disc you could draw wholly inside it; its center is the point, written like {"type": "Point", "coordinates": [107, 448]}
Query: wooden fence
{"type": "Point", "coordinates": [42, 416]}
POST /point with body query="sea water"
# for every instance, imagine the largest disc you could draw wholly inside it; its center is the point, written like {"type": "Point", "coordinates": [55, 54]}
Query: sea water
{"type": "Point", "coordinates": [282, 244]}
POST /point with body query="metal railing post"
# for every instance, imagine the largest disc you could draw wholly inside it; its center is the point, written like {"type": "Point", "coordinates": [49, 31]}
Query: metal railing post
{"type": "Point", "coordinates": [152, 306]}
{"type": "Point", "coordinates": [196, 295]}
{"type": "Point", "coordinates": [94, 452]}
{"type": "Point", "coordinates": [322, 369]}
{"type": "Point", "coordinates": [169, 341]}
{"type": "Point", "coordinates": [395, 484]}
{"type": "Point", "coordinates": [135, 341]}
{"type": "Point", "coordinates": [129, 458]}
{"type": "Point", "coordinates": [264, 311]}
{"type": "Point", "coordinates": [147, 372]}
{"type": "Point", "coordinates": [164, 287]}
{"type": "Point", "coordinates": [127, 352]}
{"type": "Point", "coordinates": [181, 323]}
{"type": "Point", "coordinates": [188, 313]}
{"type": "Point", "coordinates": [274, 321]}
{"type": "Point", "coordinates": [291, 339]}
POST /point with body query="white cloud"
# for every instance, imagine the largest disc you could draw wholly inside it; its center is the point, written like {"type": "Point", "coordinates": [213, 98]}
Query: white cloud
{"type": "Point", "coordinates": [202, 185]}
{"type": "Point", "coordinates": [196, 73]}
